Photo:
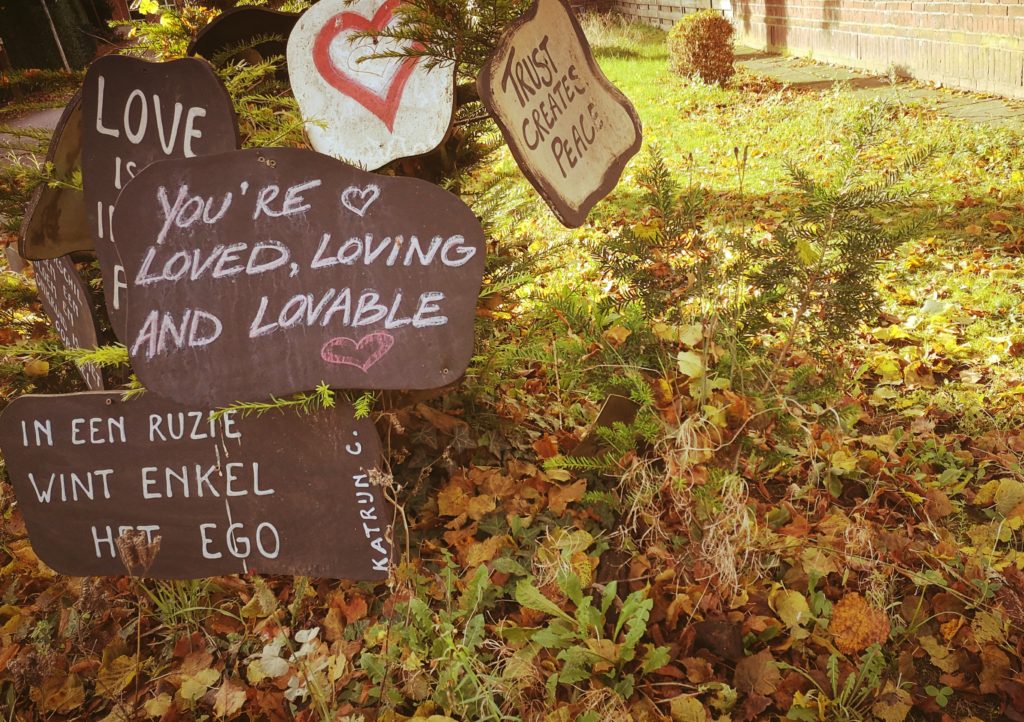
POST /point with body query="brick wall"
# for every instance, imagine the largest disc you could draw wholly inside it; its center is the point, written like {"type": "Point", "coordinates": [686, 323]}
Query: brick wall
{"type": "Point", "coordinates": [664, 12]}
{"type": "Point", "coordinates": [976, 45]}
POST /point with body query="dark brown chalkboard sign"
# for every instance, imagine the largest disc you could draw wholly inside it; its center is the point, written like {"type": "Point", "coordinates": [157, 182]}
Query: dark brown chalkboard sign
{"type": "Point", "coordinates": [255, 33]}
{"type": "Point", "coordinates": [274, 494]}
{"type": "Point", "coordinates": [570, 130]}
{"type": "Point", "coordinates": [265, 271]}
{"type": "Point", "coordinates": [134, 113]}
{"type": "Point", "coordinates": [55, 224]}
{"type": "Point", "coordinates": [67, 302]}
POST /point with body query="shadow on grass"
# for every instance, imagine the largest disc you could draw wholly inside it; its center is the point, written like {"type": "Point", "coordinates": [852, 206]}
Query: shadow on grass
{"type": "Point", "coordinates": [618, 52]}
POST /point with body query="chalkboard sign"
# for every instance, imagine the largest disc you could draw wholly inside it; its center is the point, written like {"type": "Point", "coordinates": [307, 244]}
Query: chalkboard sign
{"type": "Point", "coordinates": [255, 33]}
{"type": "Point", "coordinates": [54, 223]}
{"type": "Point", "coordinates": [133, 113]}
{"type": "Point", "coordinates": [67, 302]}
{"type": "Point", "coordinates": [273, 494]}
{"type": "Point", "coordinates": [570, 130]}
{"type": "Point", "coordinates": [366, 111]}
{"type": "Point", "coordinates": [265, 271]}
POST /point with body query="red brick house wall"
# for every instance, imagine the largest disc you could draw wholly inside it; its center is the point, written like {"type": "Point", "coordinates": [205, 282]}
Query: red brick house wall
{"type": "Point", "coordinates": [976, 45]}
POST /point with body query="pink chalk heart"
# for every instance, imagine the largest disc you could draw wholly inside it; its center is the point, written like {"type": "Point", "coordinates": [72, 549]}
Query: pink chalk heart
{"type": "Point", "coordinates": [362, 354]}
{"type": "Point", "coordinates": [388, 77]}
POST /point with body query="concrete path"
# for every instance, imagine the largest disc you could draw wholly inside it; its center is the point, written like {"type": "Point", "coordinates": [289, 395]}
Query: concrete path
{"type": "Point", "coordinates": [35, 119]}
{"type": "Point", "coordinates": [804, 74]}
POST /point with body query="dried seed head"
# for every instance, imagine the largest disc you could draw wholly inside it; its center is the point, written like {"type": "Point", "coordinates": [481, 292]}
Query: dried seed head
{"type": "Point", "coordinates": [137, 552]}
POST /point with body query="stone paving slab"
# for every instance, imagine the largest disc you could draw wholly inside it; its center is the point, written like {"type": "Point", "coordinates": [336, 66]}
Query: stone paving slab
{"type": "Point", "coordinates": [47, 118]}
{"type": "Point", "coordinates": [804, 74]}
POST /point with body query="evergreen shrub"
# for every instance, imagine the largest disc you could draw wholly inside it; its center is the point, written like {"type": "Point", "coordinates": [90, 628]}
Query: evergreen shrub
{"type": "Point", "coordinates": [700, 44]}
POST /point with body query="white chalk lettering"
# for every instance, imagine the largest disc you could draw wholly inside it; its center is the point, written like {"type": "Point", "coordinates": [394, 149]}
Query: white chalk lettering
{"type": "Point", "coordinates": [73, 486]}
{"type": "Point", "coordinates": [454, 251]}
{"type": "Point", "coordinates": [113, 433]}
{"type": "Point", "coordinates": [161, 333]}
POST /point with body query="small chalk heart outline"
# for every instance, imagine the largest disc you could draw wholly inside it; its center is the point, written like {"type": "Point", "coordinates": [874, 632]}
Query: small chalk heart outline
{"type": "Point", "coordinates": [381, 339]}
{"type": "Point", "coordinates": [373, 191]}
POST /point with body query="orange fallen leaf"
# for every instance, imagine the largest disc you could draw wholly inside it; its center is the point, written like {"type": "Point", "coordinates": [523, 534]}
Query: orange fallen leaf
{"type": "Point", "coordinates": [856, 625]}
{"type": "Point", "coordinates": [561, 496]}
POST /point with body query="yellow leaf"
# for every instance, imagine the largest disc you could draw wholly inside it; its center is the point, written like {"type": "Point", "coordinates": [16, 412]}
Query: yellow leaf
{"type": "Point", "coordinates": [559, 474]}
{"type": "Point", "coordinates": [807, 251]}
{"type": "Point", "coordinates": [988, 627]}
{"type": "Point", "coordinates": [617, 335]}
{"type": "Point", "coordinates": [480, 506]}
{"type": "Point", "coordinates": [793, 610]}
{"type": "Point", "coordinates": [817, 561]}
{"type": "Point", "coordinates": [893, 704]}
{"type": "Point", "coordinates": [36, 368]}
{"type": "Point", "coordinates": [888, 370]}
{"type": "Point", "coordinates": [986, 495]}
{"type": "Point", "coordinates": [843, 462]}
{"type": "Point", "coordinates": [337, 666]}
{"type": "Point", "coordinates": [691, 364]}
{"type": "Point", "coordinates": [715, 415]}
{"type": "Point", "coordinates": [939, 654]}
{"type": "Point", "coordinates": [452, 500]}
{"type": "Point", "coordinates": [689, 335]}
{"type": "Point", "coordinates": [114, 675]}
{"type": "Point", "coordinates": [483, 551]}
{"type": "Point", "coordinates": [687, 708]}
{"type": "Point", "coordinates": [192, 688]}
{"type": "Point", "coordinates": [262, 604]}
{"type": "Point", "coordinates": [646, 231]}
{"type": "Point", "coordinates": [1009, 497]}
{"type": "Point", "coordinates": [158, 706]}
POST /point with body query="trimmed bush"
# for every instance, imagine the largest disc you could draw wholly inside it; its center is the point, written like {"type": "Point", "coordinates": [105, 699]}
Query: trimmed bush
{"type": "Point", "coordinates": [701, 44]}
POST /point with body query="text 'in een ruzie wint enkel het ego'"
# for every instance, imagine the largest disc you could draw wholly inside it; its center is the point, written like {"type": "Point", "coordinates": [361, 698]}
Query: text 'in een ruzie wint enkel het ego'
{"type": "Point", "coordinates": [311, 270]}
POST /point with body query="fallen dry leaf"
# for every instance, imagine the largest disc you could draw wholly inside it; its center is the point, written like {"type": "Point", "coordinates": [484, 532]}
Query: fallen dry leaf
{"type": "Point", "coordinates": [229, 698]}
{"type": "Point", "coordinates": [856, 625]}
{"type": "Point", "coordinates": [757, 674]}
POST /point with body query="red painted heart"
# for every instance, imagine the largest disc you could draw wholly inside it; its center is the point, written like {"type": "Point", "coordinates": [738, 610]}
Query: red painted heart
{"type": "Point", "coordinates": [383, 106]}
{"type": "Point", "coordinates": [362, 354]}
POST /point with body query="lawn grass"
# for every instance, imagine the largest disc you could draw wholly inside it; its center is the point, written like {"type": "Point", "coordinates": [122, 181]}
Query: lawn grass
{"type": "Point", "coordinates": [915, 437]}
{"type": "Point", "coordinates": [973, 186]}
